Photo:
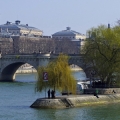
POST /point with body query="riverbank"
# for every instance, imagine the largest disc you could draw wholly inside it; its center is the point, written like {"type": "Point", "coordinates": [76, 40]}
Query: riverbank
{"type": "Point", "coordinates": [26, 68]}
{"type": "Point", "coordinates": [75, 101]}
{"type": "Point", "coordinates": [32, 70]}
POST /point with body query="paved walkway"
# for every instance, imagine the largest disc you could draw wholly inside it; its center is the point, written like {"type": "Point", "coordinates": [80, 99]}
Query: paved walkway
{"type": "Point", "coordinates": [69, 96]}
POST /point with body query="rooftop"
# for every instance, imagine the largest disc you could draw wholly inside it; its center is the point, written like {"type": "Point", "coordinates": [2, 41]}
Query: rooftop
{"type": "Point", "coordinates": [17, 25]}
{"type": "Point", "coordinates": [67, 32]}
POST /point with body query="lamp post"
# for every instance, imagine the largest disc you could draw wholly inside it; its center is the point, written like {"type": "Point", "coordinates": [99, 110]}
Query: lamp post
{"type": "Point", "coordinates": [92, 76]}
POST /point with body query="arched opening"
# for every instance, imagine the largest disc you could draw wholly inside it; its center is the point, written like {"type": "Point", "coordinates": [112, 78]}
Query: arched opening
{"type": "Point", "coordinates": [78, 72]}
{"type": "Point", "coordinates": [26, 73]}
{"type": "Point", "coordinates": [9, 72]}
{"type": "Point", "coordinates": [81, 78]}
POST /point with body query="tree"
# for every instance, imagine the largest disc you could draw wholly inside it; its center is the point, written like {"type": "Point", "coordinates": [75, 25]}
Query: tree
{"type": "Point", "coordinates": [40, 85]}
{"type": "Point", "coordinates": [60, 76]}
{"type": "Point", "coordinates": [102, 51]}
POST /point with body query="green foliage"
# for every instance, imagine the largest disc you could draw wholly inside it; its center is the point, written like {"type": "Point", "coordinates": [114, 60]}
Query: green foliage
{"type": "Point", "coordinates": [17, 56]}
{"type": "Point", "coordinates": [102, 50]}
{"type": "Point", "coordinates": [40, 83]}
{"type": "Point", "coordinates": [59, 75]}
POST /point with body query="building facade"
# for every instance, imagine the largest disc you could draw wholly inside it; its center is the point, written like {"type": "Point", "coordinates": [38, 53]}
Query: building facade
{"type": "Point", "coordinates": [25, 39]}
{"type": "Point", "coordinates": [70, 34]}
{"type": "Point", "coordinates": [17, 38]}
{"type": "Point", "coordinates": [77, 38]}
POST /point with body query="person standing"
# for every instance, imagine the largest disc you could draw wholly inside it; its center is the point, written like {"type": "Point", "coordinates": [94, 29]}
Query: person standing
{"type": "Point", "coordinates": [49, 93]}
{"type": "Point", "coordinates": [52, 94]}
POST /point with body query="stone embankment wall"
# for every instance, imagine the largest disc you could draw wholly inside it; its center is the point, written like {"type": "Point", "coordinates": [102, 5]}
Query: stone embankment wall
{"type": "Point", "coordinates": [101, 90]}
{"type": "Point", "coordinates": [31, 70]}
{"type": "Point", "coordinates": [75, 101]}
{"type": "Point", "coordinates": [27, 68]}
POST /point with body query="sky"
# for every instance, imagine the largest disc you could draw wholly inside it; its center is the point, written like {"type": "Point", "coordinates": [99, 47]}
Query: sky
{"type": "Point", "coordinates": [52, 16]}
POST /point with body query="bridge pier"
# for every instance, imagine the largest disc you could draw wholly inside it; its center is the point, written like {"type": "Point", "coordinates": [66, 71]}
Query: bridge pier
{"type": "Point", "coordinates": [10, 63]}
{"type": "Point", "coordinates": [8, 78]}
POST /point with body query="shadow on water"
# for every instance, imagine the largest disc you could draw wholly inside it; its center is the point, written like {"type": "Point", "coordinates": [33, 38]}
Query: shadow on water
{"type": "Point", "coordinates": [100, 112]}
{"type": "Point", "coordinates": [22, 78]}
{"type": "Point", "coordinates": [26, 77]}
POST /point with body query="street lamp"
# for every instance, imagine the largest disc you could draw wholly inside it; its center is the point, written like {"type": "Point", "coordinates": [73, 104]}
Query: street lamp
{"type": "Point", "coordinates": [92, 76]}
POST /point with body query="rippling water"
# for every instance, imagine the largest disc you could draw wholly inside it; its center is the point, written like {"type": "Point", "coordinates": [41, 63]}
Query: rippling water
{"type": "Point", "coordinates": [16, 97]}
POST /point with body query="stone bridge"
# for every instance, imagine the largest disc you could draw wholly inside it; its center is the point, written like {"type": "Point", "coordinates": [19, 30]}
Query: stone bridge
{"type": "Point", "coordinates": [10, 63]}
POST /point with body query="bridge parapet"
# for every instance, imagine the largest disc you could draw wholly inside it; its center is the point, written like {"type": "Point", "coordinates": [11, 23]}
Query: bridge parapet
{"type": "Point", "coordinates": [10, 63]}
{"type": "Point", "coordinates": [26, 56]}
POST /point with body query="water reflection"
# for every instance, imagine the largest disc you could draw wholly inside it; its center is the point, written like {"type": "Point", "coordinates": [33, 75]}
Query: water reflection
{"type": "Point", "coordinates": [79, 75]}
{"type": "Point", "coordinates": [99, 112]}
{"type": "Point", "coordinates": [31, 77]}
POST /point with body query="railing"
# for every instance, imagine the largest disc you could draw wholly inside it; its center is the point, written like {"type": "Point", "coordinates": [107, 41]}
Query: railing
{"type": "Point", "coordinates": [101, 90]}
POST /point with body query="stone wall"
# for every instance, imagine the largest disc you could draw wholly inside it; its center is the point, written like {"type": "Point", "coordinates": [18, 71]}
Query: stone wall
{"type": "Point", "coordinates": [102, 90]}
{"type": "Point", "coordinates": [32, 70]}
{"type": "Point", "coordinates": [75, 101]}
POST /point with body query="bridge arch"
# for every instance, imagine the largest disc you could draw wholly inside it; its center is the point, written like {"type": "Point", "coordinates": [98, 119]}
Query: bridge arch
{"type": "Point", "coordinates": [10, 63]}
{"type": "Point", "coordinates": [87, 69]}
{"type": "Point", "coordinates": [8, 73]}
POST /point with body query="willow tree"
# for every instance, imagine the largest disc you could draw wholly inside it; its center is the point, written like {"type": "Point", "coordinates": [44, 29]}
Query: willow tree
{"type": "Point", "coordinates": [41, 84]}
{"type": "Point", "coordinates": [102, 51]}
{"type": "Point", "coordinates": [59, 75]}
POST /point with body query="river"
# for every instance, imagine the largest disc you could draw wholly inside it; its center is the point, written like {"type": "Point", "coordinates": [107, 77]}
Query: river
{"type": "Point", "coordinates": [16, 97]}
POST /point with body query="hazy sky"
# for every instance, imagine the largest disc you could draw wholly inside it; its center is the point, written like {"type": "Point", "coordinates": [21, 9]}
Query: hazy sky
{"type": "Point", "coordinates": [52, 16]}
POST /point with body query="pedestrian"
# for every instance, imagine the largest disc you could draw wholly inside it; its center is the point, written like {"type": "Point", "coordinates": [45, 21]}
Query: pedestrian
{"type": "Point", "coordinates": [113, 91]}
{"type": "Point", "coordinates": [52, 93]}
{"type": "Point", "coordinates": [49, 93]}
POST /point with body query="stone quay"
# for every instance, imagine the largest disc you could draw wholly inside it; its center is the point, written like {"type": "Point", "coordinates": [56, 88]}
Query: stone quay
{"type": "Point", "coordinates": [69, 101]}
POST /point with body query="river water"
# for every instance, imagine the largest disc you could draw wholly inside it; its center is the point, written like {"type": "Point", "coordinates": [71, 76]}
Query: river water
{"type": "Point", "coordinates": [16, 97]}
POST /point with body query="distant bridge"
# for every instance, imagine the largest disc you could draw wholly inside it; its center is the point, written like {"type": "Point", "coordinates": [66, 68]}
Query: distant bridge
{"type": "Point", "coordinates": [10, 63]}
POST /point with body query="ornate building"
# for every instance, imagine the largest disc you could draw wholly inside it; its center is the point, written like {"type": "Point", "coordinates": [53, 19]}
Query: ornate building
{"type": "Point", "coordinates": [77, 38]}
{"type": "Point", "coordinates": [68, 33]}
{"type": "Point", "coordinates": [16, 38]}
{"type": "Point", "coordinates": [17, 29]}
{"type": "Point", "coordinates": [25, 39]}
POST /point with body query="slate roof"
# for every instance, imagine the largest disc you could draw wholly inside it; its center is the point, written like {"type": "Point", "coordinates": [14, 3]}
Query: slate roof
{"type": "Point", "coordinates": [67, 32]}
{"type": "Point", "coordinates": [14, 26]}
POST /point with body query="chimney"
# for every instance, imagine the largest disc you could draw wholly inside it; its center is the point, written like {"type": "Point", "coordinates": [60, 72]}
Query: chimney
{"type": "Point", "coordinates": [68, 28]}
{"type": "Point", "coordinates": [8, 22]}
{"type": "Point", "coordinates": [17, 22]}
